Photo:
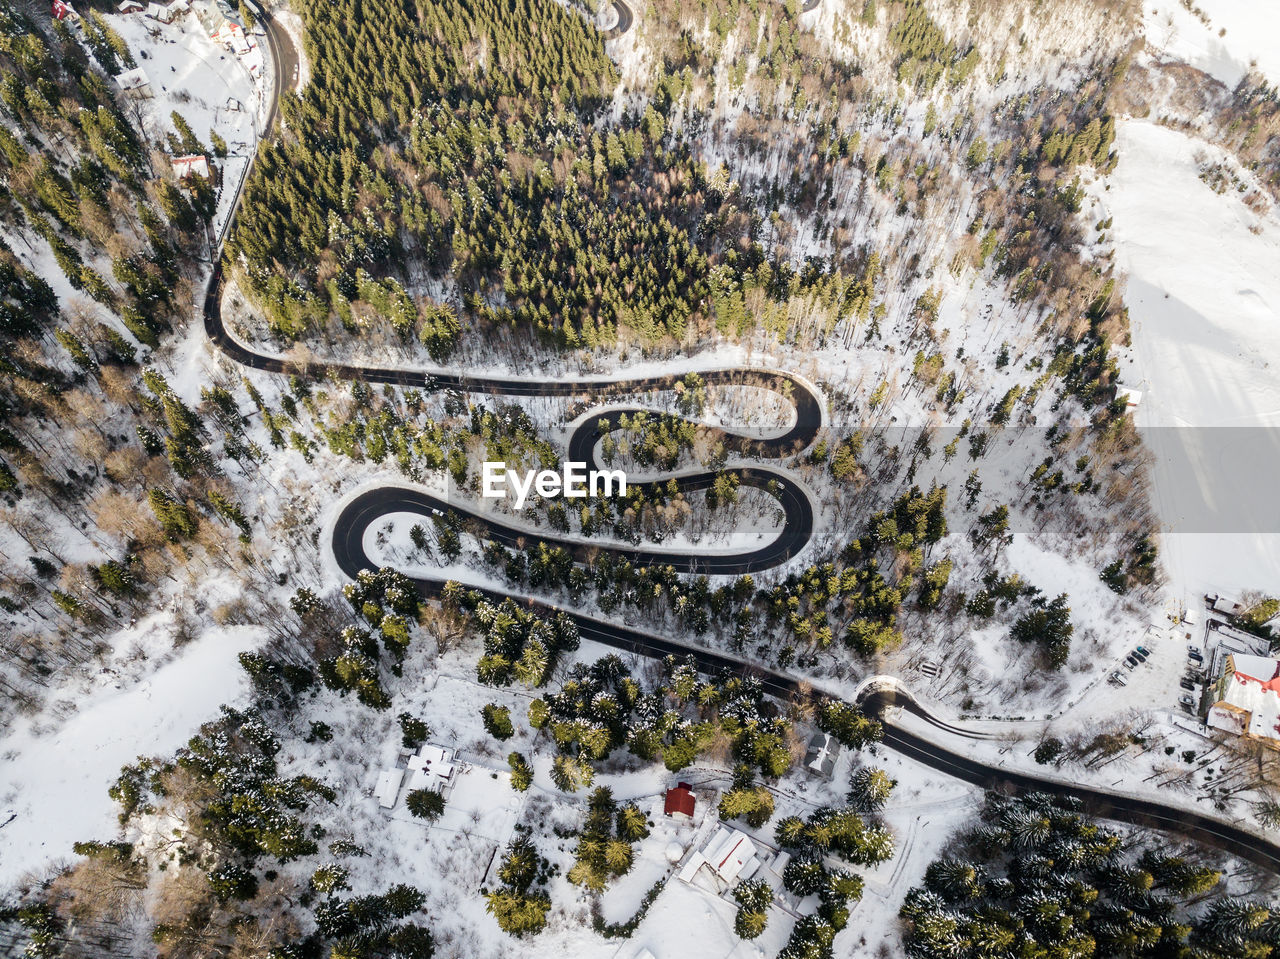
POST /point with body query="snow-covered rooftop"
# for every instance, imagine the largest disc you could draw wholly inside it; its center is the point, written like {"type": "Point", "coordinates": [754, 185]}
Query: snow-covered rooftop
{"type": "Point", "coordinates": [388, 788]}
{"type": "Point", "coordinates": [1250, 703]}
{"type": "Point", "coordinates": [824, 749]}
{"type": "Point", "coordinates": [133, 79]}
{"type": "Point", "coordinates": [431, 768]}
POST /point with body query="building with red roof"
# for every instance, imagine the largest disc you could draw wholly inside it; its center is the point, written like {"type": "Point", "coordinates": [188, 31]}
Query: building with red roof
{"type": "Point", "coordinates": [1248, 698]}
{"type": "Point", "coordinates": [680, 802]}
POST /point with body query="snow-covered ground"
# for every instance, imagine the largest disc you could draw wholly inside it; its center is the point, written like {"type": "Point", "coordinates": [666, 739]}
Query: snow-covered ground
{"type": "Point", "coordinates": [1204, 300]}
{"type": "Point", "coordinates": [1227, 40]}
{"type": "Point", "coordinates": [55, 783]}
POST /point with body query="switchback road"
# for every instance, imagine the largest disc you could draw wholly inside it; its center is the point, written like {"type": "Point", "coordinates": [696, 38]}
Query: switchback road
{"type": "Point", "coordinates": [368, 508]}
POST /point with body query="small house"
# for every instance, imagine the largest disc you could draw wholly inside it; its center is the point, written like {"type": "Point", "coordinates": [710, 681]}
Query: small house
{"type": "Point", "coordinates": [432, 767]}
{"type": "Point", "coordinates": [824, 750]}
{"type": "Point", "coordinates": [1248, 699]}
{"type": "Point", "coordinates": [1129, 396]}
{"type": "Point", "coordinates": [680, 802]}
{"type": "Point", "coordinates": [1228, 605]}
{"type": "Point", "coordinates": [158, 11]}
{"type": "Point", "coordinates": [62, 11]}
{"type": "Point", "coordinates": [730, 856]}
{"type": "Point", "coordinates": [219, 20]}
{"type": "Point", "coordinates": [129, 6]}
{"type": "Point", "coordinates": [188, 166]}
{"type": "Point", "coordinates": [388, 788]}
{"type": "Point", "coordinates": [135, 83]}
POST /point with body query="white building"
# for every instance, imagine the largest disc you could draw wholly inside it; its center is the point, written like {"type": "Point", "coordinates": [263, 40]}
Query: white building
{"type": "Point", "coordinates": [158, 11]}
{"type": "Point", "coordinates": [1130, 396]}
{"type": "Point", "coordinates": [219, 21]}
{"type": "Point", "coordinates": [1227, 605]}
{"type": "Point", "coordinates": [135, 83]}
{"type": "Point", "coordinates": [388, 788]}
{"type": "Point", "coordinates": [194, 165]}
{"type": "Point", "coordinates": [1248, 698]}
{"type": "Point", "coordinates": [729, 857]}
{"type": "Point", "coordinates": [432, 767]}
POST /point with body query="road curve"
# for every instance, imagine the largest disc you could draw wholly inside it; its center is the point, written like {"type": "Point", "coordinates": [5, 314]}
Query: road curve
{"type": "Point", "coordinates": [367, 508]}
{"type": "Point", "coordinates": [623, 23]}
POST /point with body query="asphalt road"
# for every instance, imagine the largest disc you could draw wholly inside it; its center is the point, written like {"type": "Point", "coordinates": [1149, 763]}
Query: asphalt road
{"type": "Point", "coordinates": [623, 23]}
{"type": "Point", "coordinates": [367, 509]}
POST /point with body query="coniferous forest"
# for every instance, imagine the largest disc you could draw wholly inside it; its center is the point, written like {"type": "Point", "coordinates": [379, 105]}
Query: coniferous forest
{"type": "Point", "coordinates": [897, 202]}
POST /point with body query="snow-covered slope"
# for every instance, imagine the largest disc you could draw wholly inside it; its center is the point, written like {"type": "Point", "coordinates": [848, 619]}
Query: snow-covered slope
{"type": "Point", "coordinates": [1204, 299]}
{"type": "Point", "coordinates": [55, 783]}
{"type": "Point", "coordinates": [1226, 39]}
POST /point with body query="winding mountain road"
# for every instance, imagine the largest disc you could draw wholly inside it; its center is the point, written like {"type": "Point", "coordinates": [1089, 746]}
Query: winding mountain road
{"type": "Point", "coordinates": [368, 508]}
{"type": "Point", "coordinates": [622, 24]}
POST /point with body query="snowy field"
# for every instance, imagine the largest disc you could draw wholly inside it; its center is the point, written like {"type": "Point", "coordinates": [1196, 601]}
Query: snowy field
{"type": "Point", "coordinates": [55, 782]}
{"type": "Point", "coordinates": [1204, 296]}
{"type": "Point", "coordinates": [1230, 38]}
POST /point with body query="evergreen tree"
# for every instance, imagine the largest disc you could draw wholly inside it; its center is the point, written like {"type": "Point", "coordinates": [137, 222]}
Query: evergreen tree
{"type": "Point", "coordinates": [424, 803]}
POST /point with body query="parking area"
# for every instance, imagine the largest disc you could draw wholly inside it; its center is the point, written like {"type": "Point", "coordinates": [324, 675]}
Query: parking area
{"type": "Point", "coordinates": [1170, 665]}
{"type": "Point", "coordinates": [1203, 639]}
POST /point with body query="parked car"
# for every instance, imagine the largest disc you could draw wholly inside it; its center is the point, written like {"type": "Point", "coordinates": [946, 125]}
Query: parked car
{"type": "Point", "coordinates": [1187, 701]}
{"type": "Point", "coordinates": [1187, 684]}
{"type": "Point", "coordinates": [1139, 656]}
{"type": "Point", "coordinates": [1130, 662]}
{"type": "Point", "coordinates": [1196, 658]}
{"type": "Point", "coordinates": [1192, 648]}
{"type": "Point", "coordinates": [1118, 679]}
{"type": "Point", "coordinates": [1144, 651]}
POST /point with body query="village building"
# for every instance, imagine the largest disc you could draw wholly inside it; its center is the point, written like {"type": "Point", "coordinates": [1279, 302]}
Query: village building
{"type": "Point", "coordinates": [1226, 605]}
{"type": "Point", "coordinates": [159, 12]}
{"type": "Point", "coordinates": [219, 21]}
{"type": "Point", "coordinates": [680, 802]}
{"type": "Point", "coordinates": [1129, 396]}
{"type": "Point", "coordinates": [135, 83]}
{"type": "Point", "coordinates": [1248, 699]}
{"type": "Point", "coordinates": [824, 750]}
{"type": "Point", "coordinates": [194, 165]}
{"type": "Point", "coordinates": [729, 857]}
{"type": "Point", "coordinates": [432, 767]}
{"type": "Point", "coordinates": [388, 787]}
{"type": "Point", "coordinates": [130, 6]}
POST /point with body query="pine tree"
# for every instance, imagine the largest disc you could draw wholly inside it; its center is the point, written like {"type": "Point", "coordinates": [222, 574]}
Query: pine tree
{"type": "Point", "coordinates": [497, 721]}
{"type": "Point", "coordinates": [425, 803]}
{"type": "Point", "coordinates": [521, 772]}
